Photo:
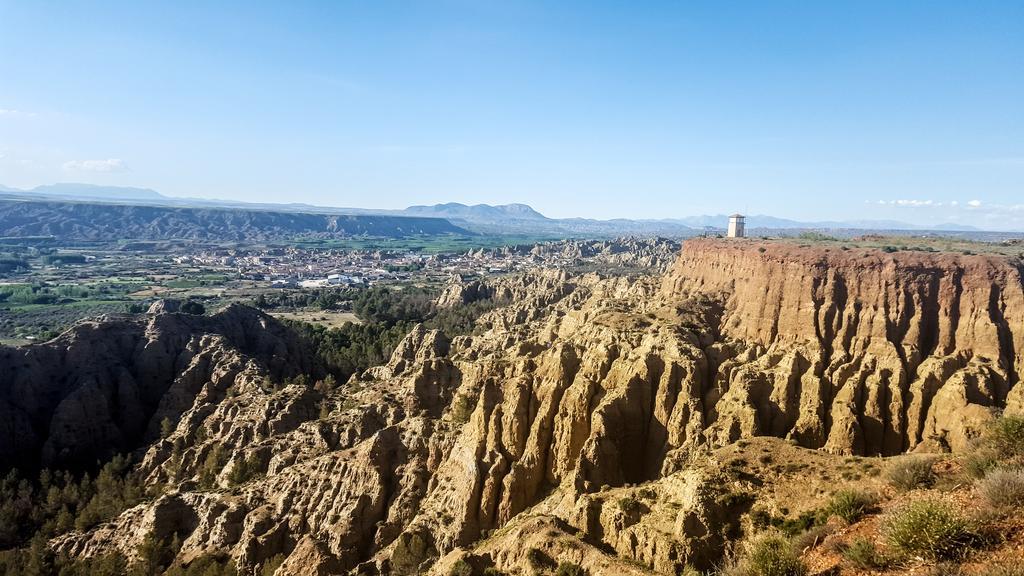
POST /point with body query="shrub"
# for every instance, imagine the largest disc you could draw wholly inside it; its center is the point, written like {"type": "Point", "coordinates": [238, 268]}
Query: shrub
{"type": "Point", "coordinates": [945, 569]}
{"type": "Point", "coordinates": [863, 554]}
{"type": "Point", "coordinates": [569, 569]}
{"type": "Point", "coordinates": [461, 568]}
{"type": "Point", "coordinates": [816, 237]}
{"type": "Point", "coordinates": [768, 554]}
{"type": "Point", "coordinates": [462, 409]}
{"type": "Point", "coordinates": [538, 559]}
{"type": "Point", "coordinates": [909, 472]}
{"type": "Point", "coordinates": [629, 504]}
{"type": "Point", "coordinates": [215, 461]}
{"type": "Point", "coordinates": [193, 307]}
{"type": "Point", "coordinates": [850, 505]}
{"type": "Point", "coordinates": [1007, 436]}
{"type": "Point", "coordinates": [270, 565]}
{"type": "Point", "coordinates": [929, 528]}
{"type": "Point", "coordinates": [735, 499]}
{"type": "Point", "coordinates": [166, 427]}
{"type": "Point", "coordinates": [1003, 569]}
{"type": "Point", "coordinates": [153, 555]}
{"type": "Point", "coordinates": [410, 550]}
{"type": "Point", "coordinates": [979, 462]}
{"type": "Point", "coordinates": [1002, 489]}
{"type": "Point", "coordinates": [793, 526]}
{"type": "Point", "coordinates": [245, 469]}
{"type": "Point", "coordinates": [812, 537]}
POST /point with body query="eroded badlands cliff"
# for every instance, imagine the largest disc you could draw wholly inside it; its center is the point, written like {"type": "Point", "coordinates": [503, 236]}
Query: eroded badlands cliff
{"type": "Point", "coordinates": [103, 387]}
{"type": "Point", "coordinates": [587, 421]}
{"type": "Point", "coordinates": [862, 351]}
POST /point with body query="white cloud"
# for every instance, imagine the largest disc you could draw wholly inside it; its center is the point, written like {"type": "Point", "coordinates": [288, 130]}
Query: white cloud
{"type": "Point", "coordinates": [911, 203]}
{"type": "Point", "coordinates": [108, 165]}
{"type": "Point", "coordinates": [16, 113]}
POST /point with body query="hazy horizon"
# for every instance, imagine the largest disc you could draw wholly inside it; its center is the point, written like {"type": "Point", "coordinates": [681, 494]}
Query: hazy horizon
{"type": "Point", "coordinates": [870, 110]}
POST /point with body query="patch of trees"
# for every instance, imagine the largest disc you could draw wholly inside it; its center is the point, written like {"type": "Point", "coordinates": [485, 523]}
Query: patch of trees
{"type": "Point", "coordinates": [464, 319]}
{"type": "Point", "coordinates": [57, 502]}
{"type": "Point", "coordinates": [154, 557]}
{"type": "Point", "coordinates": [63, 259]}
{"type": "Point", "coordinates": [390, 315]}
{"type": "Point", "coordinates": [352, 347]}
{"type": "Point", "coordinates": [34, 511]}
{"type": "Point", "coordinates": [412, 305]}
{"type": "Point", "coordinates": [49, 294]}
{"type": "Point", "coordinates": [193, 307]}
{"type": "Point", "coordinates": [322, 298]}
{"type": "Point", "coordinates": [13, 263]}
{"type": "Point", "coordinates": [390, 306]}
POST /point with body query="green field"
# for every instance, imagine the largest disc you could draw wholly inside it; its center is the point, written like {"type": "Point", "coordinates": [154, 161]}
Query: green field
{"type": "Point", "coordinates": [44, 321]}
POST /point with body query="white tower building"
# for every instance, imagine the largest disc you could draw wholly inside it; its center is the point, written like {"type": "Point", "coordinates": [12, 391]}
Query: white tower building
{"type": "Point", "coordinates": [736, 226]}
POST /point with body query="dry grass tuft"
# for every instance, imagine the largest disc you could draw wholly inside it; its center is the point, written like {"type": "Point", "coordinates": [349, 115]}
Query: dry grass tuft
{"type": "Point", "coordinates": [931, 529]}
{"type": "Point", "coordinates": [910, 472]}
{"type": "Point", "coordinates": [1002, 489]}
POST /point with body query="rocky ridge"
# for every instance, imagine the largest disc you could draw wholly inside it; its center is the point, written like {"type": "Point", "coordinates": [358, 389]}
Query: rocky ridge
{"type": "Point", "coordinates": [104, 386]}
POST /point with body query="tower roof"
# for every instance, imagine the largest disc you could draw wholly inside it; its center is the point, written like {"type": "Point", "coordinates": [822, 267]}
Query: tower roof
{"type": "Point", "coordinates": [736, 216]}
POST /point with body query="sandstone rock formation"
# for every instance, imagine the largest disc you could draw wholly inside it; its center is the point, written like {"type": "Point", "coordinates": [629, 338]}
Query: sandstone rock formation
{"type": "Point", "coordinates": [591, 421]}
{"type": "Point", "coordinates": [860, 351]}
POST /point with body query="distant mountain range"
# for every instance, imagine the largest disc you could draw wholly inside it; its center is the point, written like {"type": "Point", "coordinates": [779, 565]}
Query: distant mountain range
{"type": "Point", "coordinates": [478, 218]}
{"type": "Point", "coordinates": [73, 191]}
{"type": "Point", "coordinates": [484, 217]}
{"type": "Point", "coordinates": [478, 212]}
{"type": "Point", "coordinates": [109, 222]}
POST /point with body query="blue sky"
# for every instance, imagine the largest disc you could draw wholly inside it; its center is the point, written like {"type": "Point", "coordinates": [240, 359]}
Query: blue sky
{"type": "Point", "coordinates": [813, 110]}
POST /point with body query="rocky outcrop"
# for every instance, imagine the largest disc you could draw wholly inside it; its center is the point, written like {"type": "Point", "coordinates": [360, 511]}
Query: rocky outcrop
{"type": "Point", "coordinates": [859, 351]}
{"type": "Point", "coordinates": [458, 293]}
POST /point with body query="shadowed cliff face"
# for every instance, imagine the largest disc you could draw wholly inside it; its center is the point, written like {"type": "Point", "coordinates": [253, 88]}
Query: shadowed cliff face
{"type": "Point", "coordinates": [586, 391]}
{"type": "Point", "coordinates": [103, 387]}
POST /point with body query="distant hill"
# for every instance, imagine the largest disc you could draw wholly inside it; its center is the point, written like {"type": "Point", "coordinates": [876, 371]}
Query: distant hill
{"type": "Point", "coordinates": [110, 222]}
{"type": "Point", "coordinates": [477, 212]}
{"type": "Point", "coordinates": [522, 219]}
{"type": "Point", "coordinates": [76, 191]}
